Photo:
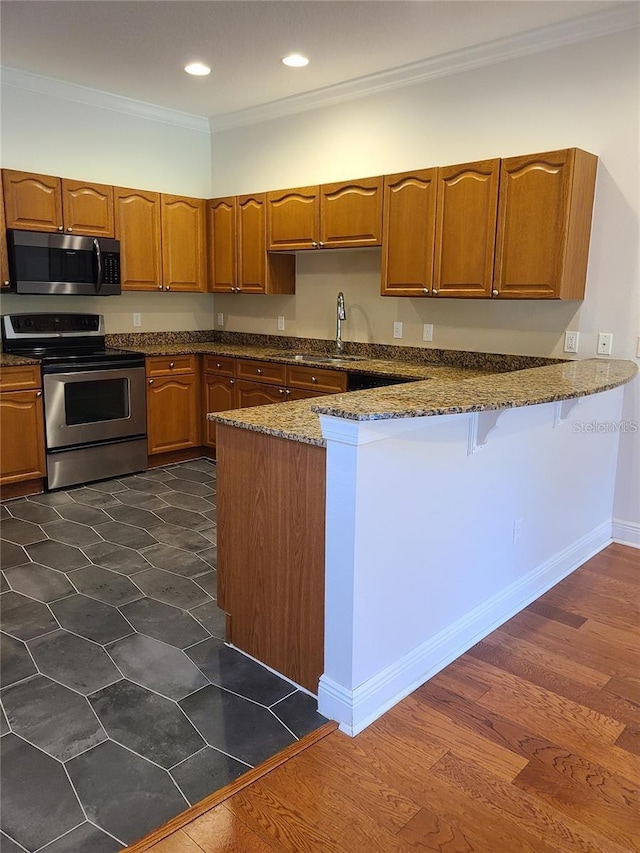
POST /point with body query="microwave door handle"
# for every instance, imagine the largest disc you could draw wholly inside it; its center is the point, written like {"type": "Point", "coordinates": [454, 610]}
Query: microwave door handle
{"type": "Point", "coordinates": [96, 247]}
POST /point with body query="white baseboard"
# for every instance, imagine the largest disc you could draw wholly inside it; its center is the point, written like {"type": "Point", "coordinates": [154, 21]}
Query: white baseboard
{"type": "Point", "coordinates": [626, 532]}
{"type": "Point", "coordinates": [355, 709]}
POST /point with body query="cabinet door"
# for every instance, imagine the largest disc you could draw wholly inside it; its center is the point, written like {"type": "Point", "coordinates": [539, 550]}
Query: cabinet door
{"type": "Point", "coordinates": [293, 219]}
{"type": "Point", "coordinates": [32, 202]}
{"type": "Point", "coordinates": [219, 395]}
{"type": "Point", "coordinates": [137, 215]}
{"type": "Point", "coordinates": [466, 214]}
{"type": "Point", "coordinates": [351, 214]}
{"type": "Point", "coordinates": [252, 253]}
{"type": "Point", "coordinates": [544, 222]}
{"type": "Point", "coordinates": [87, 208]}
{"type": "Point", "coordinates": [22, 455]}
{"type": "Point", "coordinates": [173, 413]}
{"type": "Point", "coordinates": [4, 260]}
{"type": "Point", "coordinates": [408, 233]}
{"type": "Point", "coordinates": [221, 224]}
{"type": "Point", "coordinates": [259, 394]}
{"type": "Point", "coordinates": [183, 243]}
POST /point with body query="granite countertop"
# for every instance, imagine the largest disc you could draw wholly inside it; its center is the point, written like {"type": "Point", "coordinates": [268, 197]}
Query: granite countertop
{"type": "Point", "coordinates": [9, 360]}
{"type": "Point", "coordinates": [438, 395]}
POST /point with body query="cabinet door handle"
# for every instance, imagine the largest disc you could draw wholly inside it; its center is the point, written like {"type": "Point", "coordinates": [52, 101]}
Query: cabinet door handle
{"type": "Point", "coordinates": [151, 382]}
{"type": "Point", "coordinates": [495, 293]}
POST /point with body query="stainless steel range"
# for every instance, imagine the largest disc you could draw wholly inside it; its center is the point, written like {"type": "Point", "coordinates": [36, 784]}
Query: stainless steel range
{"type": "Point", "coordinates": [94, 396]}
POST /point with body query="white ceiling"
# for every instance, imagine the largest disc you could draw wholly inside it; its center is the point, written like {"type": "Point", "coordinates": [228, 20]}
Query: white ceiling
{"type": "Point", "coordinates": [138, 49]}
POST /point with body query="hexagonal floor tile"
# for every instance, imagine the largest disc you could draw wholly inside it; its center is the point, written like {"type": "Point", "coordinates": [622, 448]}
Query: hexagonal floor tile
{"type": "Point", "coordinates": [118, 558]}
{"type": "Point", "coordinates": [74, 661]}
{"type": "Point", "coordinates": [125, 709]}
{"type": "Point", "coordinates": [139, 483]}
{"type": "Point", "coordinates": [155, 665]}
{"type": "Point", "coordinates": [71, 533]}
{"type": "Point", "coordinates": [52, 717]}
{"type": "Point", "coordinates": [25, 618]}
{"type": "Point", "coordinates": [185, 473]}
{"type": "Point", "coordinates": [91, 619]}
{"type": "Point", "coordinates": [162, 622]}
{"type": "Point", "coordinates": [85, 837]}
{"type": "Point", "coordinates": [21, 532]}
{"type": "Point", "coordinates": [125, 534]}
{"type": "Point", "coordinates": [15, 661]}
{"type": "Point", "coordinates": [205, 772]}
{"type": "Point", "coordinates": [83, 514]}
{"type": "Point", "coordinates": [56, 555]}
{"type": "Point", "coordinates": [176, 560]}
{"type": "Point", "coordinates": [191, 502]}
{"type": "Point", "coordinates": [93, 497]}
{"type": "Point", "coordinates": [39, 582]}
{"type": "Point", "coordinates": [30, 511]}
{"type": "Point", "coordinates": [147, 796]}
{"type": "Point", "coordinates": [235, 725]}
{"type": "Point", "coordinates": [29, 776]}
{"type": "Point", "coordinates": [184, 517]}
{"type": "Point", "coordinates": [171, 588]}
{"type": "Point", "coordinates": [140, 499]}
{"type": "Point", "coordinates": [105, 585]}
{"type": "Point", "coordinates": [190, 488]}
{"type": "Point", "coordinates": [180, 537]}
{"type": "Point", "coordinates": [12, 555]}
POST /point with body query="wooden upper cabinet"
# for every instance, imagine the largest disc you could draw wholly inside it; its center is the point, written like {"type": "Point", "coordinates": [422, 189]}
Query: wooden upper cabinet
{"type": "Point", "coordinates": [351, 214]}
{"type": "Point", "coordinates": [221, 227]}
{"type": "Point", "coordinates": [293, 218]}
{"type": "Point", "coordinates": [183, 243]}
{"type": "Point", "coordinates": [466, 214]}
{"type": "Point", "coordinates": [32, 202]}
{"type": "Point", "coordinates": [4, 260]}
{"type": "Point", "coordinates": [544, 223]}
{"type": "Point", "coordinates": [408, 233]}
{"type": "Point", "coordinates": [87, 208]}
{"type": "Point", "coordinates": [259, 272]}
{"type": "Point", "coordinates": [137, 220]}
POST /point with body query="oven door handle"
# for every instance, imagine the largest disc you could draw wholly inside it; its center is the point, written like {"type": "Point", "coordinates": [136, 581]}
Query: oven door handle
{"type": "Point", "coordinates": [98, 251]}
{"type": "Point", "coordinates": [90, 367]}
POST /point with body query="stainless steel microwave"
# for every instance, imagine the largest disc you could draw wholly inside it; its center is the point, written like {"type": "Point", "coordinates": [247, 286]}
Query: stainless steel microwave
{"type": "Point", "coordinates": [44, 263]}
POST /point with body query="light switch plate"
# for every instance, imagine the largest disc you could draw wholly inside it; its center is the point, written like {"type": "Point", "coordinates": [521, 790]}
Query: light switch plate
{"type": "Point", "coordinates": [427, 332]}
{"type": "Point", "coordinates": [281, 323]}
{"type": "Point", "coordinates": [137, 319]}
{"type": "Point", "coordinates": [605, 342]}
{"type": "Point", "coordinates": [220, 319]}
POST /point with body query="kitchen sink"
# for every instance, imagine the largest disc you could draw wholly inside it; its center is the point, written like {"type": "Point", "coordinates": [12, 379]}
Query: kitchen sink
{"type": "Point", "coordinates": [315, 358]}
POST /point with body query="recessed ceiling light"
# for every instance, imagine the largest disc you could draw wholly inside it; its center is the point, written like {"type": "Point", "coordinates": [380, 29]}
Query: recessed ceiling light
{"type": "Point", "coordinates": [295, 60]}
{"type": "Point", "coordinates": [198, 69]}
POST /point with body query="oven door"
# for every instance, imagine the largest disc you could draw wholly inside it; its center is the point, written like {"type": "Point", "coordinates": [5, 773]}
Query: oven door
{"type": "Point", "coordinates": [94, 405]}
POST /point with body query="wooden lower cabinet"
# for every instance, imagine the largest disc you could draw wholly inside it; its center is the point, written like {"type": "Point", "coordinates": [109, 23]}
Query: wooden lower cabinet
{"type": "Point", "coordinates": [173, 410]}
{"type": "Point", "coordinates": [259, 394]}
{"type": "Point", "coordinates": [271, 505]}
{"type": "Point", "coordinates": [22, 450]}
{"type": "Point", "coordinates": [219, 394]}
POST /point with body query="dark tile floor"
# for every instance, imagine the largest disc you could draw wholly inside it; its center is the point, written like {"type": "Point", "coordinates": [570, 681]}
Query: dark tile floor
{"type": "Point", "coordinates": [120, 703]}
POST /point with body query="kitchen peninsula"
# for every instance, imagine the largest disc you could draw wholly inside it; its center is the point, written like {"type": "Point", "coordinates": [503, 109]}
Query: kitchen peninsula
{"type": "Point", "coordinates": [370, 538]}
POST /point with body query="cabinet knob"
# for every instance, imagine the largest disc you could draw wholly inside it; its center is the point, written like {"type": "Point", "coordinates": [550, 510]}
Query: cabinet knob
{"type": "Point", "coordinates": [218, 365]}
{"type": "Point", "coordinates": [60, 228]}
{"type": "Point", "coordinates": [281, 390]}
{"type": "Point", "coordinates": [434, 292]}
{"type": "Point", "coordinates": [151, 382]}
{"type": "Point", "coordinates": [38, 393]}
{"type": "Point", "coordinates": [321, 244]}
{"type": "Point", "coordinates": [168, 287]}
{"type": "Point", "coordinates": [259, 371]}
{"type": "Point", "coordinates": [69, 230]}
{"type": "Point", "coordinates": [159, 286]}
{"type": "Point", "coordinates": [495, 293]}
{"type": "Point", "coordinates": [426, 291]}
{"type": "Point", "coordinates": [313, 379]}
{"type": "Point", "coordinates": [232, 382]}
{"type": "Point", "coordinates": [287, 392]}
{"type": "Point", "coordinates": [172, 364]}
{"type": "Point", "coordinates": [314, 245]}
{"type": "Point", "coordinates": [5, 283]}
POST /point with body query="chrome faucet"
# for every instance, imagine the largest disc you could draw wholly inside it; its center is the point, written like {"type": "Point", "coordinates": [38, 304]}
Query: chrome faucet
{"type": "Point", "coordinates": [341, 315]}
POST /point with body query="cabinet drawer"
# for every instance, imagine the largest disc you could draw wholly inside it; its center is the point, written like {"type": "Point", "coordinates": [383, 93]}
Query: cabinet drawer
{"type": "Point", "coordinates": [312, 379]}
{"type": "Point", "coordinates": [263, 371]}
{"type": "Point", "coordinates": [167, 365]}
{"type": "Point", "coordinates": [20, 378]}
{"type": "Point", "coordinates": [219, 365]}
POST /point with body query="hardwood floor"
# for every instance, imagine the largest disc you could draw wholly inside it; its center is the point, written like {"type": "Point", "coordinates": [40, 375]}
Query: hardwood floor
{"type": "Point", "coordinates": [529, 743]}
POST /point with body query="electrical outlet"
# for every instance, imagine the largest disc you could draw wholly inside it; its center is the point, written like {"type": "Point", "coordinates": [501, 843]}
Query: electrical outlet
{"type": "Point", "coordinates": [605, 342]}
{"type": "Point", "coordinates": [397, 329]}
{"type": "Point", "coordinates": [137, 319]}
{"type": "Point", "coordinates": [427, 332]}
{"type": "Point", "coordinates": [517, 530]}
{"type": "Point", "coordinates": [281, 323]}
{"type": "Point", "coordinates": [220, 319]}
{"type": "Point", "coordinates": [571, 341]}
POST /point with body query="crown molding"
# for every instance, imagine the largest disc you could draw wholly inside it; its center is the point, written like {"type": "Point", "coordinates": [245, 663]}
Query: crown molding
{"type": "Point", "coordinates": [25, 80]}
{"type": "Point", "coordinates": [621, 16]}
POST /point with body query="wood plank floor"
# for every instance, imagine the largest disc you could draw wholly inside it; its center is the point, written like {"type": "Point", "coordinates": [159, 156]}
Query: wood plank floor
{"type": "Point", "coordinates": [529, 743]}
